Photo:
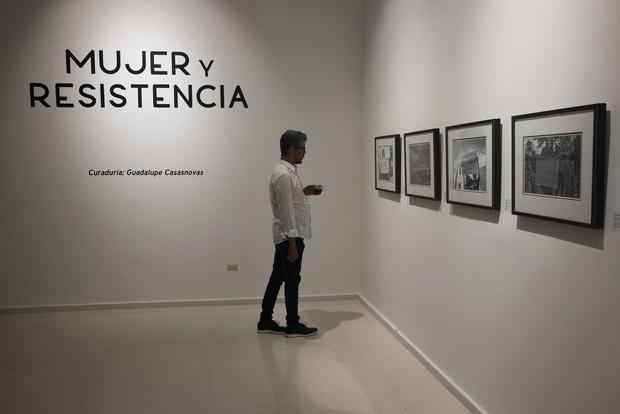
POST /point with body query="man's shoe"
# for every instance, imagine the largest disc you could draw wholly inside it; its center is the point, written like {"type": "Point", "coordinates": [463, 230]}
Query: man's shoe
{"type": "Point", "coordinates": [300, 330]}
{"type": "Point", "coordinates": [270, 327]}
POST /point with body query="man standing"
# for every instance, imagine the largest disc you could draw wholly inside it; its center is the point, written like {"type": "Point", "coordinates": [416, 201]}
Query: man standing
{"type": "Point", "coordinates": [291, 225]}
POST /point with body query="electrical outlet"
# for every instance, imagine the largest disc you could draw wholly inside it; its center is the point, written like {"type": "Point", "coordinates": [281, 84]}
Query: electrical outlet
{"type": "Point", "coordinates": [616, 221]}
{"type": "Point", "coordinates": [232, 267]}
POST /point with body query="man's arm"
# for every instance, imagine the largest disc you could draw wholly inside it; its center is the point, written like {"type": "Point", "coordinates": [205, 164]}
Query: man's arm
{"type": "Point", "coordinates": [283, 189]}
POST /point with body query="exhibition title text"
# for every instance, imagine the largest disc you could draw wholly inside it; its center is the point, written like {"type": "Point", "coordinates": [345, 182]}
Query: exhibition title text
{"type": "Point", "coordinates": [136, 94]}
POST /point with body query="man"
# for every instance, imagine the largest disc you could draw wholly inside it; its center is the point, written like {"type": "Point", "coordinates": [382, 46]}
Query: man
{"type": "Point", "coordinates": [291, 225]}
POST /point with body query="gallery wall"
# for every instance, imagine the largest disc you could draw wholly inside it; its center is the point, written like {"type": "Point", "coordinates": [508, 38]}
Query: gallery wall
{"type": "Point", "coordinates": [521, 313]}
{"type": "Point", "coordinates": [71, 238]}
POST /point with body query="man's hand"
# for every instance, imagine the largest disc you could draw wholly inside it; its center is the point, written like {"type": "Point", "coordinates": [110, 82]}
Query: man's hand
{"type": "Point", "coordinates": [292, 250]}
{"type": "Point", "coordinates": [292, 255]}
{"type": "Point", "coordinates": [313, 189]}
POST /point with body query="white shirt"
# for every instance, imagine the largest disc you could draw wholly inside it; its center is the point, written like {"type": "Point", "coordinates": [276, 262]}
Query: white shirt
{"type": "Point", "coordinates": [290, 207]}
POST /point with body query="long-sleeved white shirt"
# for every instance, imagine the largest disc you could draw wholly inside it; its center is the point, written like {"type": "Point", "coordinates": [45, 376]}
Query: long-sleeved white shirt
{"type": "Point", "coordinates": [289, 204]}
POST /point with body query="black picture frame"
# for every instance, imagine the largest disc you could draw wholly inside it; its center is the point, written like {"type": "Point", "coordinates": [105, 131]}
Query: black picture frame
{"type": "Point", "coordinates": [387, 170]}
{"type": "Point", "coordinates": [475, 191]}
{"type": "Point", "coordinates": [433, 190]}
{"type": "Point", "coordinates": [572, 191]}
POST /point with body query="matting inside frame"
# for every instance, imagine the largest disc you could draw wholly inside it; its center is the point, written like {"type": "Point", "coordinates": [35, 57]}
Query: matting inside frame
{"type": "Point", "coordinates": [470, 165]}
{"type": "Point", "coordinates": [420, 168]}
{"type": "Point", "coordinates": [553, 166]}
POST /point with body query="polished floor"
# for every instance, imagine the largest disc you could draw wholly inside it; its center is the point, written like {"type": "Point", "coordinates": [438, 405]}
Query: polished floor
{"type": "Point", "coordinates": [209, 359]}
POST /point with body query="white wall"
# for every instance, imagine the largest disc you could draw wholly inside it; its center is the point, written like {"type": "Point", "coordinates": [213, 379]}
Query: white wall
{"type": "Point", "coordinates": [523, 314]}
{"type": "Point", "coordinates": [69, 238]}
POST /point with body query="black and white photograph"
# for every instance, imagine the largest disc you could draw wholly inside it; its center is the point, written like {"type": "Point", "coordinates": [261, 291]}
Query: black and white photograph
{"type": "Point", "coordinates": [387, 163]}
{"type": "Point", "coordinates": [469, 164]}
{"type": "Point", "coordinates": [422, 164]}
{"type": "Point", "coordinates": [473, 164]}
{"type": "Point", "coordinates": [552, 166]}
{"type": "Point", "coordinates": [558, 165]}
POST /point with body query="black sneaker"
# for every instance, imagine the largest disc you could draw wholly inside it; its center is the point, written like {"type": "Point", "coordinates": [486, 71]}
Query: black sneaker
{"type": "Point", "coordinates": [300, 330]}
{"type": "Point", "coordinates": [270, 327]}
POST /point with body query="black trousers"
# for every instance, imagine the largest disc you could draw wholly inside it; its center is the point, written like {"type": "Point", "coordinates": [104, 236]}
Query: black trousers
{"type": "Point", "coordinates": [289, 273]}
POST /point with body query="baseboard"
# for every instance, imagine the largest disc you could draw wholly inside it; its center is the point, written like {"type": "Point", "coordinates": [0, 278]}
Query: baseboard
{"type": "Point", "coordinates": [164, 304]}
{"type": "Point", "coordinates": [447, 382]}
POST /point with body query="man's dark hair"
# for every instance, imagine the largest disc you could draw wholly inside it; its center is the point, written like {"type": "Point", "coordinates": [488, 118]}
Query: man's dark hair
{"type": "Point", "coordinates": [292, 138]}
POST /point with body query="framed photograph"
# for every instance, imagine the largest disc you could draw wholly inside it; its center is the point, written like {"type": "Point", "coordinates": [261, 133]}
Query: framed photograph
{"type": "Point", "coordinates": [387, 163]}
{"type": "Point", "coordinates": [423, 164]}
{"type": "Point", "coordinates": [474, 164]}
{"type": "Point", "coordinates": [558, 165]}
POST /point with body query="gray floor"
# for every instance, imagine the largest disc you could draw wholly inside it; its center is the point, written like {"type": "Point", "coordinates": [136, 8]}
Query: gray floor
{"type": "Point", "coordinates": [209, 359]}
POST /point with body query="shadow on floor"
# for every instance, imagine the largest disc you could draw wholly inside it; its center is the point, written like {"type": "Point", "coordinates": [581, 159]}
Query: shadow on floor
{"type": "Point", "coordinates": [326, 321]}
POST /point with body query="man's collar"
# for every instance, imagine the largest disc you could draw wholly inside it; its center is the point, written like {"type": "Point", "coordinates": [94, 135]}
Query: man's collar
{"type": "Point", "coordinates": [288, 165]}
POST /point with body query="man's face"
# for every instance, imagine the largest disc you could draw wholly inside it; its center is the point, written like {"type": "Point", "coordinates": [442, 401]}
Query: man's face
{"type": "Point", "coordinates": [299, 152]}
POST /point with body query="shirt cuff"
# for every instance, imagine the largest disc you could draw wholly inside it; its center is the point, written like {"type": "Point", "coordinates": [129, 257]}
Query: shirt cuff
{"type": "Point", "coordinates": [292, 233]}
